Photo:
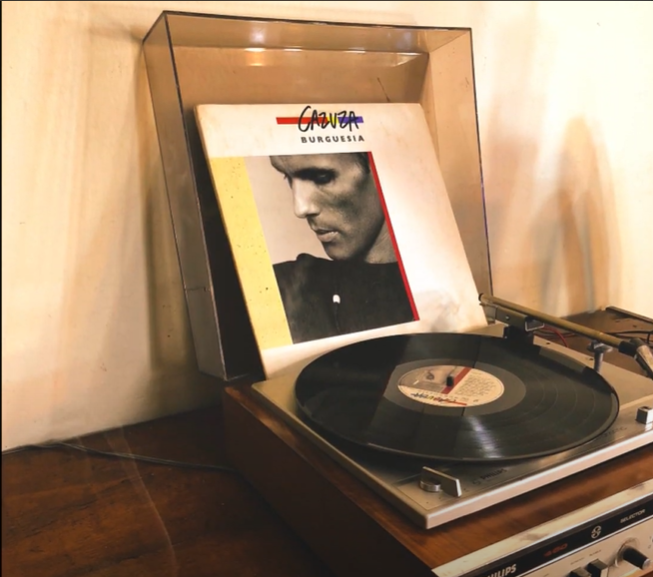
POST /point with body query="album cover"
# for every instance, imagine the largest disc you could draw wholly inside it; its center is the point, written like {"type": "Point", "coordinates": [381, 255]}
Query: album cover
{"type": "Point", "coordinates": [340, 225]}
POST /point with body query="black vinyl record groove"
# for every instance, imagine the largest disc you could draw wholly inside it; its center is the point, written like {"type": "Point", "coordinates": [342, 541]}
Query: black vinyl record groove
{"type": "Point", "coordinates": [515, 401]}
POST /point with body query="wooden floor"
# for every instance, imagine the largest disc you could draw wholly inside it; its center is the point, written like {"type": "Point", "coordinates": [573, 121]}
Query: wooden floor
{"type": "Point", "coordinates": [68, 514]}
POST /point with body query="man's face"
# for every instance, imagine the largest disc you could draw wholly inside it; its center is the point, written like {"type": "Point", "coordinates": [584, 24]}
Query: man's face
{"type": "Point", "coordinates": [337, 196]}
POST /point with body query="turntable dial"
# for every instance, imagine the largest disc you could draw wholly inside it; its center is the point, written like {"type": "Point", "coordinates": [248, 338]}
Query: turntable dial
{"type": "Point", "coordinates": [635, 557]}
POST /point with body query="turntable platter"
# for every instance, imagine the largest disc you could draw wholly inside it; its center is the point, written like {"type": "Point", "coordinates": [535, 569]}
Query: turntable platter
{"type": "Point", "coordinates": [455, 397]}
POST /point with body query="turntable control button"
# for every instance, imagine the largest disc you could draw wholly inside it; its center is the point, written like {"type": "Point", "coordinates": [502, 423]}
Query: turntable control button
{"type": "Point", "coordinates": [645, 415]}
{"type": "Point", "coordinates": [598, 569]}
{"type": "Point", "coordinates": [636, 558]}
{"type": "Point", "coordinates": [435, 481]}
{"type": "Point", "coordinates": [580, 572]}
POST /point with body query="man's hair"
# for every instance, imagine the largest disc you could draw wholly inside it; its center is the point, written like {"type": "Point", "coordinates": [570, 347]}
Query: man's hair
{"type": "Point", "coordinates": [363, 159]}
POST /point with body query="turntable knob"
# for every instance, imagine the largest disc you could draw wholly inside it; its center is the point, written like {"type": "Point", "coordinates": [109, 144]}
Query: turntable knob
{"type": "Point", "coordinates": [636, 558]}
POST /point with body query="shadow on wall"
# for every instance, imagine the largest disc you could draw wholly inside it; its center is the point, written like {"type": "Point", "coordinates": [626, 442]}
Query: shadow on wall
{"type": "Point", "coordinates": [586, 235]}
{"type": "Point", "coordinates": [553, 237]}
{"type": "Point", "coordinates": [510, 147]}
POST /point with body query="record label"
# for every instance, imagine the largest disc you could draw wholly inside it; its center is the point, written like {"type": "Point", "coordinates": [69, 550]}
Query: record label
{"type": "Point", "coordinates": [451, 386]}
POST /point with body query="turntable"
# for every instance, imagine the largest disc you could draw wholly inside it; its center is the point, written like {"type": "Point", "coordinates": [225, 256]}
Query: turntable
{"type": "Point", "coordinates": [521, 416]}
{"type": "Point", "coordinates": [469, 441]}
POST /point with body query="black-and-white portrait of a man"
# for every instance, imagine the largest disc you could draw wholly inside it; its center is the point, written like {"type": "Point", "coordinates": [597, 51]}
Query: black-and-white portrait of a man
{"type": "Point", "coordinates": [354, 281]}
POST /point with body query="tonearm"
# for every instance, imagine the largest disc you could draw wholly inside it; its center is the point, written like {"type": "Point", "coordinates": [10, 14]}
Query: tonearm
{"type": "Point", "coordinates": [634, 347]}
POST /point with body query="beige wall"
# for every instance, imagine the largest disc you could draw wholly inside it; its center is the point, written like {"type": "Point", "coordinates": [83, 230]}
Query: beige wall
{"type": "Point", "coordinates": [95, 333]}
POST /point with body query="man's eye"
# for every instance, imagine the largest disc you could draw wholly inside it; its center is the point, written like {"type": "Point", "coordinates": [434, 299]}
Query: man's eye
{"type": "Point", "coordinates": [323, 178]}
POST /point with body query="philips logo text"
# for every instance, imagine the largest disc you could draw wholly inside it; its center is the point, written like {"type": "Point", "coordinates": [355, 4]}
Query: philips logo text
{"type": "Point", "coordinates": [503, 572]}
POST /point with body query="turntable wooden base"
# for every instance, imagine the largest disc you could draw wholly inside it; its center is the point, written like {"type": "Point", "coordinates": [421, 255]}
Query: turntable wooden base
{"type": "Point", "coordinates": [357, 532]}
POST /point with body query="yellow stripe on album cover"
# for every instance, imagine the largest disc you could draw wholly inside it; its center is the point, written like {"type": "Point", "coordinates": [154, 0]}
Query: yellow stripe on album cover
{"type": "Point", "coordinates": [251, 255]}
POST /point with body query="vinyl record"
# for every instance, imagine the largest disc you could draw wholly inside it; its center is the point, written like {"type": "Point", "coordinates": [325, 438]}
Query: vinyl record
{"type": "Point", "coordinates": [457, 397]}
